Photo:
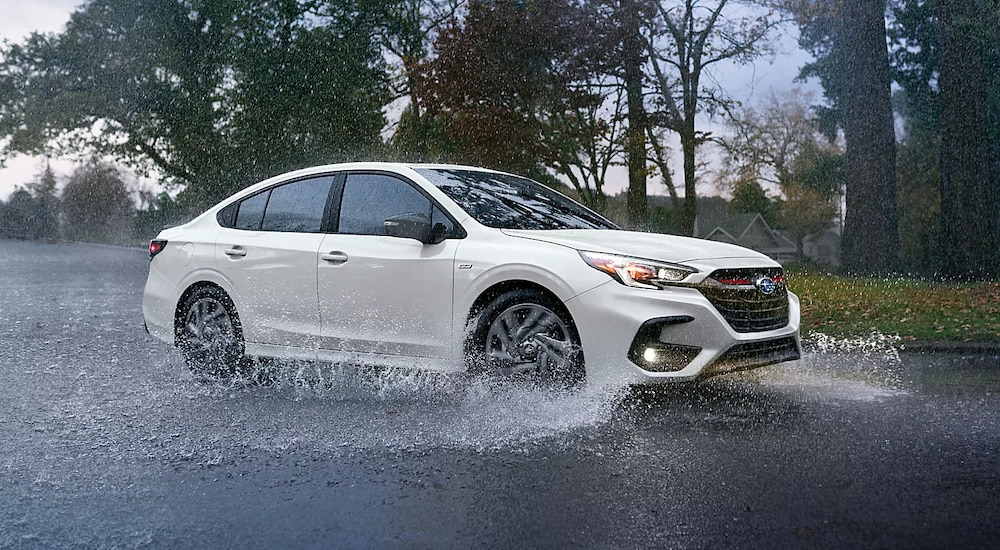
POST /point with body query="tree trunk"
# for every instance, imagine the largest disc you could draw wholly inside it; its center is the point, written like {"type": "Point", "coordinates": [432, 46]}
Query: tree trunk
{"type": "Point", "coordinates": [635, 138]}
{"type": "Point", "coordinates": [689, 213]}
{"type": "Point", "coordinates": [970, 238]}
{"type": "Point", "coordinates": [871, 228]}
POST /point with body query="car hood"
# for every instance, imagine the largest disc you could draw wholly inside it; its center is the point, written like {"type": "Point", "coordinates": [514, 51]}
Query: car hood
{"type": "Point", "coordinates": [652, 246]}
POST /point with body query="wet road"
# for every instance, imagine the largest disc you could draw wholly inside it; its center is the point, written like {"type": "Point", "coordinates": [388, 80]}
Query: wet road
{"type": "Point", "coordinates": [106, 441]}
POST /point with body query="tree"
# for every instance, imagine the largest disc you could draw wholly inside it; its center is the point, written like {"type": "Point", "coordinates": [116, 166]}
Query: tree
{"type": "Point", "coordinates": [632, 42]}
{"type": "Point", "coordinates": [750, 198]}
{"type": "Point", "coordinates": [848, 39]}
{"type": "Point", "coordinates": [970, 199]}
{"type": "Point", "coordinates": [766, 142]}
{"type": "Point", "coordinates": [504, 79]}
{"type": "Point", "coordinates": [820, 33]}
{"type": "Point", "coordinates": [583, 144]}
{"type": "Point", "coordinates": [915, 60]}
{"type": "Point", "coordinates": [780, 145]}
{"type": "Point", "coordinates": [945, 56]}
{"type": "Point", "coordinates": [918, 170]}
{"type": "Point", "coordinates": [214, 93]}
{"type": "Point", "coordinates": [870, 243]}
{"type": "Point", "coordinates": [407, 34]}
{"type": "Point", "coordinates": [689, 39]}
{"type": "Point", "coordinates": [158, 211]}
{"type": "Point", "coordinates": [43, 192]}
{"type": "Point", "coordinates": [32, 210]}
{"type": "Point", "coordinates": [26, 217]}
{"type": "Point", "coordinates": [306, 91]}
{"type": "Point", "coordinates": [96, 204]}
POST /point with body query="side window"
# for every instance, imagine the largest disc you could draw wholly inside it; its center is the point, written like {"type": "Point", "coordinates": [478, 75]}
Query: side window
{"type": "Point", "coordinates": [227, 216]}
{"type": "Point", "coordinates": [298, 206]}
{"type": "Point", "coordinates": [438, 218]}
{"type": "Point", "coordinates": [251, 212]}
{"type": "Point", "coordinates": [371, 198]}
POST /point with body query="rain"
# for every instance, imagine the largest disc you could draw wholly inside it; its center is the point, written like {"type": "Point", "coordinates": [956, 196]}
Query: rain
{"type": "Point", "coordinates": [855, 142]}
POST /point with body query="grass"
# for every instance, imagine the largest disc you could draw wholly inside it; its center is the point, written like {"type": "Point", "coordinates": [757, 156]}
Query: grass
{"type": "Point", "coordinates": [913, 310]}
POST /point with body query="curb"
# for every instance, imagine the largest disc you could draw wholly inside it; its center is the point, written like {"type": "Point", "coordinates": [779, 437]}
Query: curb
{"type": "Point", "coordinates": [950, 347]}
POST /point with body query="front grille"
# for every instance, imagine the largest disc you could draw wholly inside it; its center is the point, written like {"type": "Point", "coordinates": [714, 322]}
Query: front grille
{"type": "Point", "coordinates": [755, 354]}
{"type": "Point", "coordinates": [735, 295]}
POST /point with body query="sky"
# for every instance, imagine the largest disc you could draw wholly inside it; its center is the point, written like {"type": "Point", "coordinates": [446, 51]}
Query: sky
{"type": "Point", "coordinates": [22, 17]}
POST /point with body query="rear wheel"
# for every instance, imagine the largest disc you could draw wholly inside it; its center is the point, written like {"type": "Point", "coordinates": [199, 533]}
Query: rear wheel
{"type": "Point", "coordinates": [209, 334]}
{"type": "Point", "coordinates": [525, 333]}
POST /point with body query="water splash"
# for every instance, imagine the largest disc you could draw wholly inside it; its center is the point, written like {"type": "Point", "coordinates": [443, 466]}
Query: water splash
{"type": "Point", "coordinates": [363, 407]}
{"type": "Point", "coordinates": [862, 368]}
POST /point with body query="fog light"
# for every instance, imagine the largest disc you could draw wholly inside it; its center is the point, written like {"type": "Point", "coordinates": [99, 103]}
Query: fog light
{"type": "Point", "coordinates": [649, 353]}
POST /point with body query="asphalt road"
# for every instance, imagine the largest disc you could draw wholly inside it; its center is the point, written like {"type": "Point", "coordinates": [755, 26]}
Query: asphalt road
{"type": "Point", "coordinates": [106, 441]}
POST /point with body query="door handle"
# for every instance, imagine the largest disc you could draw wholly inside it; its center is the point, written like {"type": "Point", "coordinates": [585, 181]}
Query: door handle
{"type": "Point", "coordinates": [236, 251]}
{"type": "Point", "coordinates": [336, 257]}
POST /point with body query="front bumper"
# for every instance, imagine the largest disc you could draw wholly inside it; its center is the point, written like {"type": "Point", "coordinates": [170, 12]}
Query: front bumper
{"type": "Point", "coordinates": [610, 317]}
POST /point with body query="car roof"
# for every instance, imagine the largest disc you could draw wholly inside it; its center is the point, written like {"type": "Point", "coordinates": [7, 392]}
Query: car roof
{"type": "Point", "coordinates": [398, 167]}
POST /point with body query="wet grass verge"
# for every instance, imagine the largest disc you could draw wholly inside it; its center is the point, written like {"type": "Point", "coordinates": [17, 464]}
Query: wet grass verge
{"type": "Point", "coordinates": [916, 311]}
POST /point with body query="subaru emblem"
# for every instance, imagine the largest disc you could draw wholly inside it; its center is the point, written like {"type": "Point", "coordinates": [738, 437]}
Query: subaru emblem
{"type": "Point", "coordinates": [765, 285]}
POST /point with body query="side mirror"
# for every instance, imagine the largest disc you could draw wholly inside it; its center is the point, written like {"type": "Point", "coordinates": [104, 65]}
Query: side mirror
{"type": "Point", "coordinates": [414, 225]}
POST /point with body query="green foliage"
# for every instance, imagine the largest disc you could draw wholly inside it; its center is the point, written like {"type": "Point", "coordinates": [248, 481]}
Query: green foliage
{"type": "Point", "coordinates": [96, 204]}
{"type": "Point", "coordinates": [304, 94]}
{"type": "Point", "coordinates": [32, 211]}
{"type": "Point", "coordinates": [160, 212]}
{"type": "Point", "coordinates": [913, 33]}
{"type": "Point", "coordinates": [958, 211]}
{"type": "Point", "coordinates": [821, 34]}
{"type": "Point", "coordinates": [918, 169]}
{"type": "Point", "coordinates": [214, 93]}
{"type": "Point", "coordinates": [421, 137]}
{"type": "Point", "coordinates": [25, 216]}
{"type": "Point", "coordinates": [750, 198]}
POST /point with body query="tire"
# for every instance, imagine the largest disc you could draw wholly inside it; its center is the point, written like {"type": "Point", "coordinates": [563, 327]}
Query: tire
{"type": "Point", "coordinates": [209, 334]}
{"type": "Point", "coordinates": [524, 333]}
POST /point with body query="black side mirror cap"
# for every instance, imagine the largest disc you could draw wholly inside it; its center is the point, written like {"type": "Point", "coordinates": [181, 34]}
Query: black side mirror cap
{"type": "Point", "coordinates": [412, 225]}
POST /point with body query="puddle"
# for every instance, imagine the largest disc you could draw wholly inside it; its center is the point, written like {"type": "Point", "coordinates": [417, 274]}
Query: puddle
{"type": "Point", "coordinates": [844, 369]}
{"type": "Point", "coordinates": [349, 407]}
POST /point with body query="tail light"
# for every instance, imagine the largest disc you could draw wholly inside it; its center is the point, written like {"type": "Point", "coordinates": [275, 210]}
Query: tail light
{"type": "Point", "coordinates": [156, 246]}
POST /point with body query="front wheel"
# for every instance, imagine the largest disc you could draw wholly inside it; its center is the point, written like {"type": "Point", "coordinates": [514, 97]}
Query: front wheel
{"type": "Point", "coordinates": [525, 333]}
{"type": "Point", "coordinates": [209, 334]}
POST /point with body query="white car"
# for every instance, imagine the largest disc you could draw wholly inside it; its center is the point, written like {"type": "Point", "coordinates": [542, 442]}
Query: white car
{"type": "Point", "coordinates": [455, 268]}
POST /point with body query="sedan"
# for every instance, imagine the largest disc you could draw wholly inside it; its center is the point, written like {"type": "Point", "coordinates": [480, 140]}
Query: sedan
{"type": "Point", "coordinates": [454, 268]}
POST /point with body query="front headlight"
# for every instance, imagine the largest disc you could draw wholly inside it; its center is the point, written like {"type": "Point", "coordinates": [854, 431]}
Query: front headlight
{"type": "Point", "coordinates": [637, 272]}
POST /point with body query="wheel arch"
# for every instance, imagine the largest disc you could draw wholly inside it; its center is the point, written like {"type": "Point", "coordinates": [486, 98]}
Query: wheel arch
{"type": "Point", "coordinates": [502, 287]}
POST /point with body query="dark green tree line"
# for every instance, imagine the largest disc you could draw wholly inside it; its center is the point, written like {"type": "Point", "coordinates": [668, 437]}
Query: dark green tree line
{"type": "Point", "coordinates": [32, 211]}
{"type": "Point", "coordinates": [217, 94]}
{"type": "Point", "coordinates": [213, 93]}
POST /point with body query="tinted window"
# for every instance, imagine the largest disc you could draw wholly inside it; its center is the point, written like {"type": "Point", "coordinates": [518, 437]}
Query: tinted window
{"type": "Point", "coordinates": [510, 202]}
{"type": "Point", "coordinates": [251, 212]}
{"type": "Point", "coordinates": [298, 206]}
{"type": "Point", "coordinates": [227, 216]}
{"type": "Point", "coordinates": [369, 199]}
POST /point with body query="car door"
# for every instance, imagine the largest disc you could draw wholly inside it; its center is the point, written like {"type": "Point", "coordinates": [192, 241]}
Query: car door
{"type": "Point", "coordinates": [269, 255]}
{"type": "Point", "coordinates": [381, 294]}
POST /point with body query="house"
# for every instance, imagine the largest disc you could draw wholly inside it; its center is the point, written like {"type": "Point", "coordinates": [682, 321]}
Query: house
{"type": "Point", "coordinates": [823, 247]}
{"type": "Point", "coordinates": [715, 223]}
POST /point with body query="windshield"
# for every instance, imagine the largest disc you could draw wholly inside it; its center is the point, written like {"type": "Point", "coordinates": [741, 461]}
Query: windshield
{"type": "Point", "coordinates": [503, 201]}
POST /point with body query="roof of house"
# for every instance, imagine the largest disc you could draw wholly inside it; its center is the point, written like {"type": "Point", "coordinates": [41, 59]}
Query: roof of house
{"type": "Point", "coordinates": [714, 222]}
